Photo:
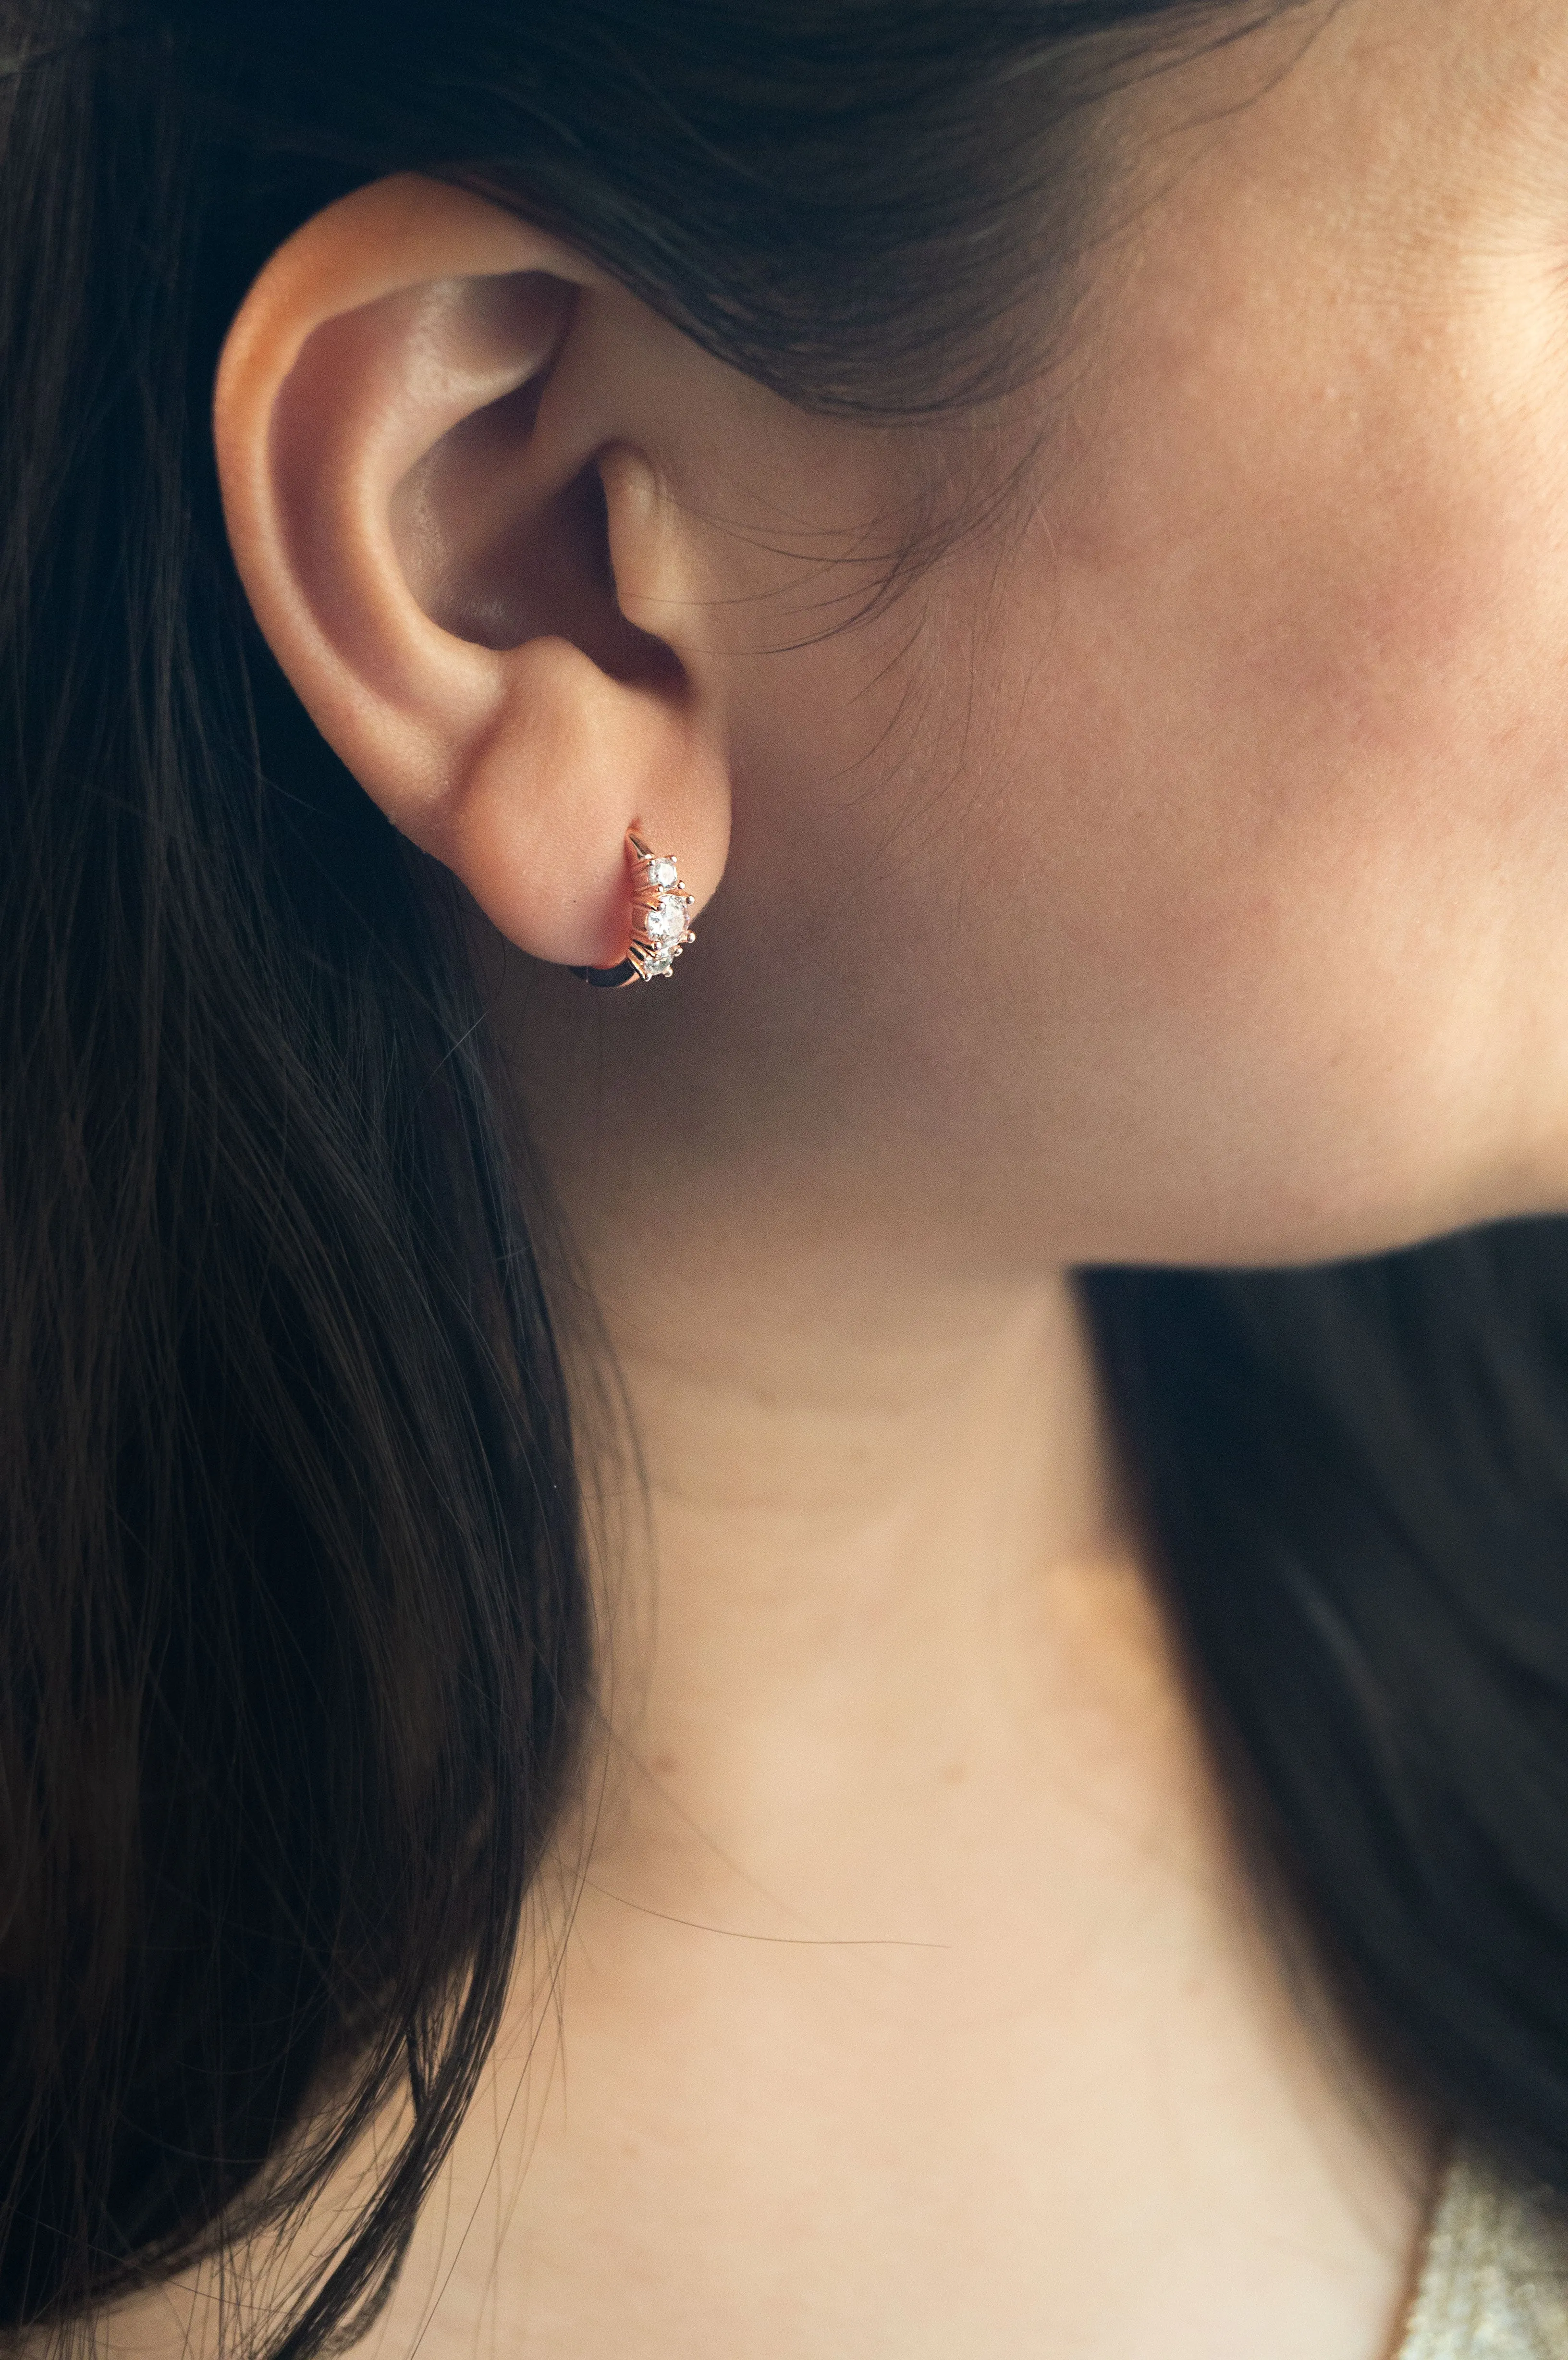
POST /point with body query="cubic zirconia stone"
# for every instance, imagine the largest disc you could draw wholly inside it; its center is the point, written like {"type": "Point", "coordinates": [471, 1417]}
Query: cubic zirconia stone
{"type": "Point", "coordinates": [662, 871]}
{"type": "Point", "coordinates": [668, 923]}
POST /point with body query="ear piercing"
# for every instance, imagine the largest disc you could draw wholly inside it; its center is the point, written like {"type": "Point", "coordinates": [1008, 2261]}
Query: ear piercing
{"type": "Point", "coordinates": [661, 908]}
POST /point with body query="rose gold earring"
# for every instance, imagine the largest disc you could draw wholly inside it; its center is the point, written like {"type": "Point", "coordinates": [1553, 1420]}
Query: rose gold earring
{"type": "Point", "coordinates": [661, 908]}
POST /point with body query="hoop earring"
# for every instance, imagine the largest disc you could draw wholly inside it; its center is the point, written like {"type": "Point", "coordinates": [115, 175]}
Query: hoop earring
{"type": "Point", "coordinates": [661, 907]}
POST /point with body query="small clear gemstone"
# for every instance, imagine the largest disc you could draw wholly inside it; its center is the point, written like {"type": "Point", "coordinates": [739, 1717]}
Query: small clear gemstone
{"type": "Point", "coordinates": [662, 871]}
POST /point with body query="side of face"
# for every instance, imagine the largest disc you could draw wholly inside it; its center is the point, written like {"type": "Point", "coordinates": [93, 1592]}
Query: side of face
{"type": "Point", "coordinates": [1211, 900]}
{"type": "Point", "coordinates": [1177, 868]}
{"type": "Point", "coordinates": [1302, 683]}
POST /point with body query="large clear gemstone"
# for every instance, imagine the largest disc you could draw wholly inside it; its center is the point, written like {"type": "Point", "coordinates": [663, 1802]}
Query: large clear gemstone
{"type": "Point", "coordinates": [668, 923]}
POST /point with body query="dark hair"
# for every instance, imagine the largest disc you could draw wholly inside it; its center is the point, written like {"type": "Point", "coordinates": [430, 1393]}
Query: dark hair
{"type": "Point", "coordinates": [295, 1642]}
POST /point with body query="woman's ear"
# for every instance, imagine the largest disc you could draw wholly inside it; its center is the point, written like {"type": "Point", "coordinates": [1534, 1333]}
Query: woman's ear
{"type": "Point", "coordinates": [431, 494]}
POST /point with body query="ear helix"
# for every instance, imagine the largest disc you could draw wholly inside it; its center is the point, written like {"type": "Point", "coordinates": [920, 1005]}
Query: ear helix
{"type": "Point", "coordinates": [661, 907]}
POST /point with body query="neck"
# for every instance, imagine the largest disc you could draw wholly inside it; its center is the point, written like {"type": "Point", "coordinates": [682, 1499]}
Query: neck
{"type": "Point", "coordinates": [904, 1856]}
{"type": "Point", "coordinates": [859, 1483]}
{"type": "Point", "coordinates": [866, 1494]}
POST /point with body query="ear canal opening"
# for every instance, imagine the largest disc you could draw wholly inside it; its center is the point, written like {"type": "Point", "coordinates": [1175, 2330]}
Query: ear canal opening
{"type": "Point", "coordinates": [638, 658]}
{"type": "Point", "coordinates": [496, 566]}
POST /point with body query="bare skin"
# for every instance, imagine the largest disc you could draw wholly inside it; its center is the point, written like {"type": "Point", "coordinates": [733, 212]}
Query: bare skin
{"type": "Point", "coordinates": [1176, 872]}
{"type": "Point", "coordinates": [914, 2003]}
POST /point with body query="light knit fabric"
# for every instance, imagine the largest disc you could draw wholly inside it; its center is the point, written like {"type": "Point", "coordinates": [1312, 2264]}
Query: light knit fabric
{"type": "Point", "coordinates": [1494, 2282]}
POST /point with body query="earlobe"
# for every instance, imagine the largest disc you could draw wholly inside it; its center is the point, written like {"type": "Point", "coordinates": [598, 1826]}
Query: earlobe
{"type": "Point", "coordinates": [428, 519]}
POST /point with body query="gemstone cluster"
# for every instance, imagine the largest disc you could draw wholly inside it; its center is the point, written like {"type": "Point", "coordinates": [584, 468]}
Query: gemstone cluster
{"type": "Point", "coordinates": [662, 908]}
